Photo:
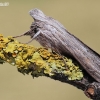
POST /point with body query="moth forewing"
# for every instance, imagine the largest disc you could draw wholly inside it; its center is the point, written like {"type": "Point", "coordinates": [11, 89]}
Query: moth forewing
{"type": "Point", "coordinates": [67, 44]}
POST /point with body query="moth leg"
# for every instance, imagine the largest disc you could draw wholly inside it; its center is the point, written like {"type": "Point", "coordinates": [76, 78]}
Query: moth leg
{"type": "Point", "coordinates": [33, 37]}
{"type": "Point", "coordinates": [61, 57]}
{"type": "Point", "coordinates": [26, 33]}
{"type": "Point", "coordinates": [56, 49]}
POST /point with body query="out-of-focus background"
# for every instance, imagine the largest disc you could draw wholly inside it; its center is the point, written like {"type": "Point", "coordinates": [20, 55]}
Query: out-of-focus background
{"type": "Point", "coordinates": [80, 17]}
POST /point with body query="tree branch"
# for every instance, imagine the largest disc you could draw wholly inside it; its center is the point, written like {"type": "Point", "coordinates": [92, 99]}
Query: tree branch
{"type": "Point", "coordinates": [79, 65]}
{"type": "Point", "coordinates": [41, 62]}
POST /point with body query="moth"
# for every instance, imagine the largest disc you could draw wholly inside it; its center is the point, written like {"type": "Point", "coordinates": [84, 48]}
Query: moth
{"type": "Point", "coordinates": [52, 34]}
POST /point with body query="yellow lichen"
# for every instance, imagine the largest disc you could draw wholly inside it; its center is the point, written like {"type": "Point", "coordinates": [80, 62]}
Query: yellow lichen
{"type": "Point", "coordinates": [42, 61]}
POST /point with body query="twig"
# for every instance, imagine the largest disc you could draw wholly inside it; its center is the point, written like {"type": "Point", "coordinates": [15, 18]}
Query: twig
{"type": "Point", "coordinates": [41, 62]}
{"type": "Point", "coordinates": [83, 63]}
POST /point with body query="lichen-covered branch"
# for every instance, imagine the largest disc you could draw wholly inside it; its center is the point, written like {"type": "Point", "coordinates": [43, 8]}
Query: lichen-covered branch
{"type": "Point", "coordinates": [40, 60]}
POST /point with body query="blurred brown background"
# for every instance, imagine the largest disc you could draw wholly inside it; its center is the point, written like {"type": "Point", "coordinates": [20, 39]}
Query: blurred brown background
{"type": "Point", "coordinates": [80, 17]}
